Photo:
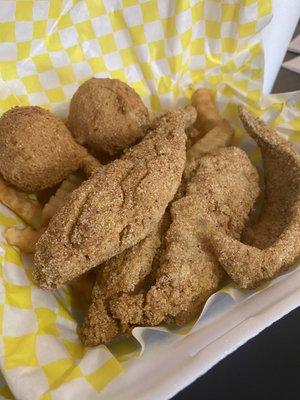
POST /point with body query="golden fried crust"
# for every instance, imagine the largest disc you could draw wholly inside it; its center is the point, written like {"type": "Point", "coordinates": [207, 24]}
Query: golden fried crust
{"type": "Point", "coordinates": [107, 115]}
{"type": "Point", "coordinates": [130, 272]}
{"type": "Point", "coordinates": [273, 243]}
{"type": "Point", "coordinates": [222, 191]}
{"type": "Point", "coordinates": [37, 150]}
{"type": "Point", "coordinates": [119, 275]}
{"type": "Point", "coordinates": [100, 326]}
{"type": "Point", "coordinates": [117, 207]}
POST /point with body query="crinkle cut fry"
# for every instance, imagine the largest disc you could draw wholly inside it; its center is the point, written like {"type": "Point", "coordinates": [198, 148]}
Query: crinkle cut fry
{"type": "Point", "coordinates": [58, 199]}
{"type": "Point", "coordinates": [218, 137]}
{"type": "Point", "coordinates": [274, 241]}
{"type": "Point", "coordinates": [19, 202]}
{"type": "Point", "coordinates": [26, 238]}
{"type": "Point", "coordinates": [118, 206]}
{"type": "Point", "coordinates": [208, 116]}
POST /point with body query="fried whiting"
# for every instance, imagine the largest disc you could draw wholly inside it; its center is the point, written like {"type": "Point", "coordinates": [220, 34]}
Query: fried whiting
{"type": "Point", "coordinates": [218, 137]}
{"type": "Point", "coordinates": [118, 206]}
{"type": "Point", "coordinates": [223, 191]}
{"type": "Point", "coordinates": [113, 280]}
{"type": "Point", "coordinates": [273, 243]}
{"type": "Point", "coordinates": [126, 273]}
{"type": "Point", "coordinates": [29, 210]}
{"type": "Point", "coordinates": [107, 115]}
{"type": "Point", "coordinates": [208, 115]}
{"type": "Point", "coordinates": [115, 311]}
{"type": "Point", "coordinates": [37, 150]}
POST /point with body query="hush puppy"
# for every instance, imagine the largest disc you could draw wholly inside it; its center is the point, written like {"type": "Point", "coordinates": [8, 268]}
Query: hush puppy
{"type": "Point", "coordinates": [37, 149]}
{"type": "Point", "coordinates": [107, 115]}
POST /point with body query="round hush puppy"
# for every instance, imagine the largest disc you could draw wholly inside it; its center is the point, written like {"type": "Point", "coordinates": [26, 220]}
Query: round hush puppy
{"type": "Point", "coordinates": [37, 149]}
{"type": "Point", "coordinates": [107, 115]}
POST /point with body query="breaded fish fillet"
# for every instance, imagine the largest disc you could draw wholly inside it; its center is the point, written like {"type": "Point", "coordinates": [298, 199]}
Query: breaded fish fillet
{"type": "Point", "coordinates": [273, 243]}
{"type": "Point", "coordinates": [118, 206]}
{"type": "Point", "coordinates": [126, 273]}
{"type": "Point", "coordinates": [115, 311]}
{"type": "Point", "coordinates": [222, 191]}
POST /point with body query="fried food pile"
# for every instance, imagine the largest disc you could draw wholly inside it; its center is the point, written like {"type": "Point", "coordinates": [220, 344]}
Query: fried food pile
{"type": "Point", "coordinates": [117, 206]}
{"type": "Point", "coordinates": [146, 235]}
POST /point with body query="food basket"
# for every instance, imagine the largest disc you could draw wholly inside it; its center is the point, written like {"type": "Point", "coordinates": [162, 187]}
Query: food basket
{"type": "Point", "coordinates": [164, 50]}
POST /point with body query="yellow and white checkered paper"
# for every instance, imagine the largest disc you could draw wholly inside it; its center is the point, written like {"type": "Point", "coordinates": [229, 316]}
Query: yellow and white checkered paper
{"type": "Point", "coordinates": [164, 49]}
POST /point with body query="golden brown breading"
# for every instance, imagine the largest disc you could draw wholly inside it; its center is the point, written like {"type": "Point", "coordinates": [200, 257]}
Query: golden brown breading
{"type": "Point", "coordinates": [129, 272]}
{"type": "Point", "coordinates": [119, 275]}
{"type": "Point", "coordinates": [37, 150]}
{"type": "Point", "coordinates": [274, 241]}
{"type": "Point", "coordinates": [118, 206]}
{"type": "Point", "coordinates": [222, 191]}
{"type": "Point", "coordinates": [125, 306]}
{"type": "Point", "coordinates": [107, 115]}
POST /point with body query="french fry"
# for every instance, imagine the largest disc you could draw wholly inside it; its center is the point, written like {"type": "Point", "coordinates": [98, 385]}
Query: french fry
{"type": "Point", "coordinates": [25, 238]}
{"type": "Point", "coordinates": [28, 209]}
{"type": "Point", "coordinates": [219, 136]}
{"type": "Point", "coordinates": [208, 116]}
{"type": "Point", "coordinates": [90, 165]}
{"type": "Point", "coordinates": [59, 198]}
{"type": "Point", "coordinates": [192, 135]}
{"type": "Point", "coordinates": [83, 286]}
{"type": "Point", "coordinates": [192, 132]}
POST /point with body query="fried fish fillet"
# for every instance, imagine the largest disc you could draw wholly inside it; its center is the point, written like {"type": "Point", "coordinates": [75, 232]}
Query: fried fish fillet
{"type": "Point", "coordinates": [118, 206]}
{"type": "Point", "coordinates": [126, 273]}
{"type": "Point", "coordinates": [115, 311]}
{"type": "Point", "coordinates": [273, 243]}
{"type": "Point", "coordinates": [222, 191]}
